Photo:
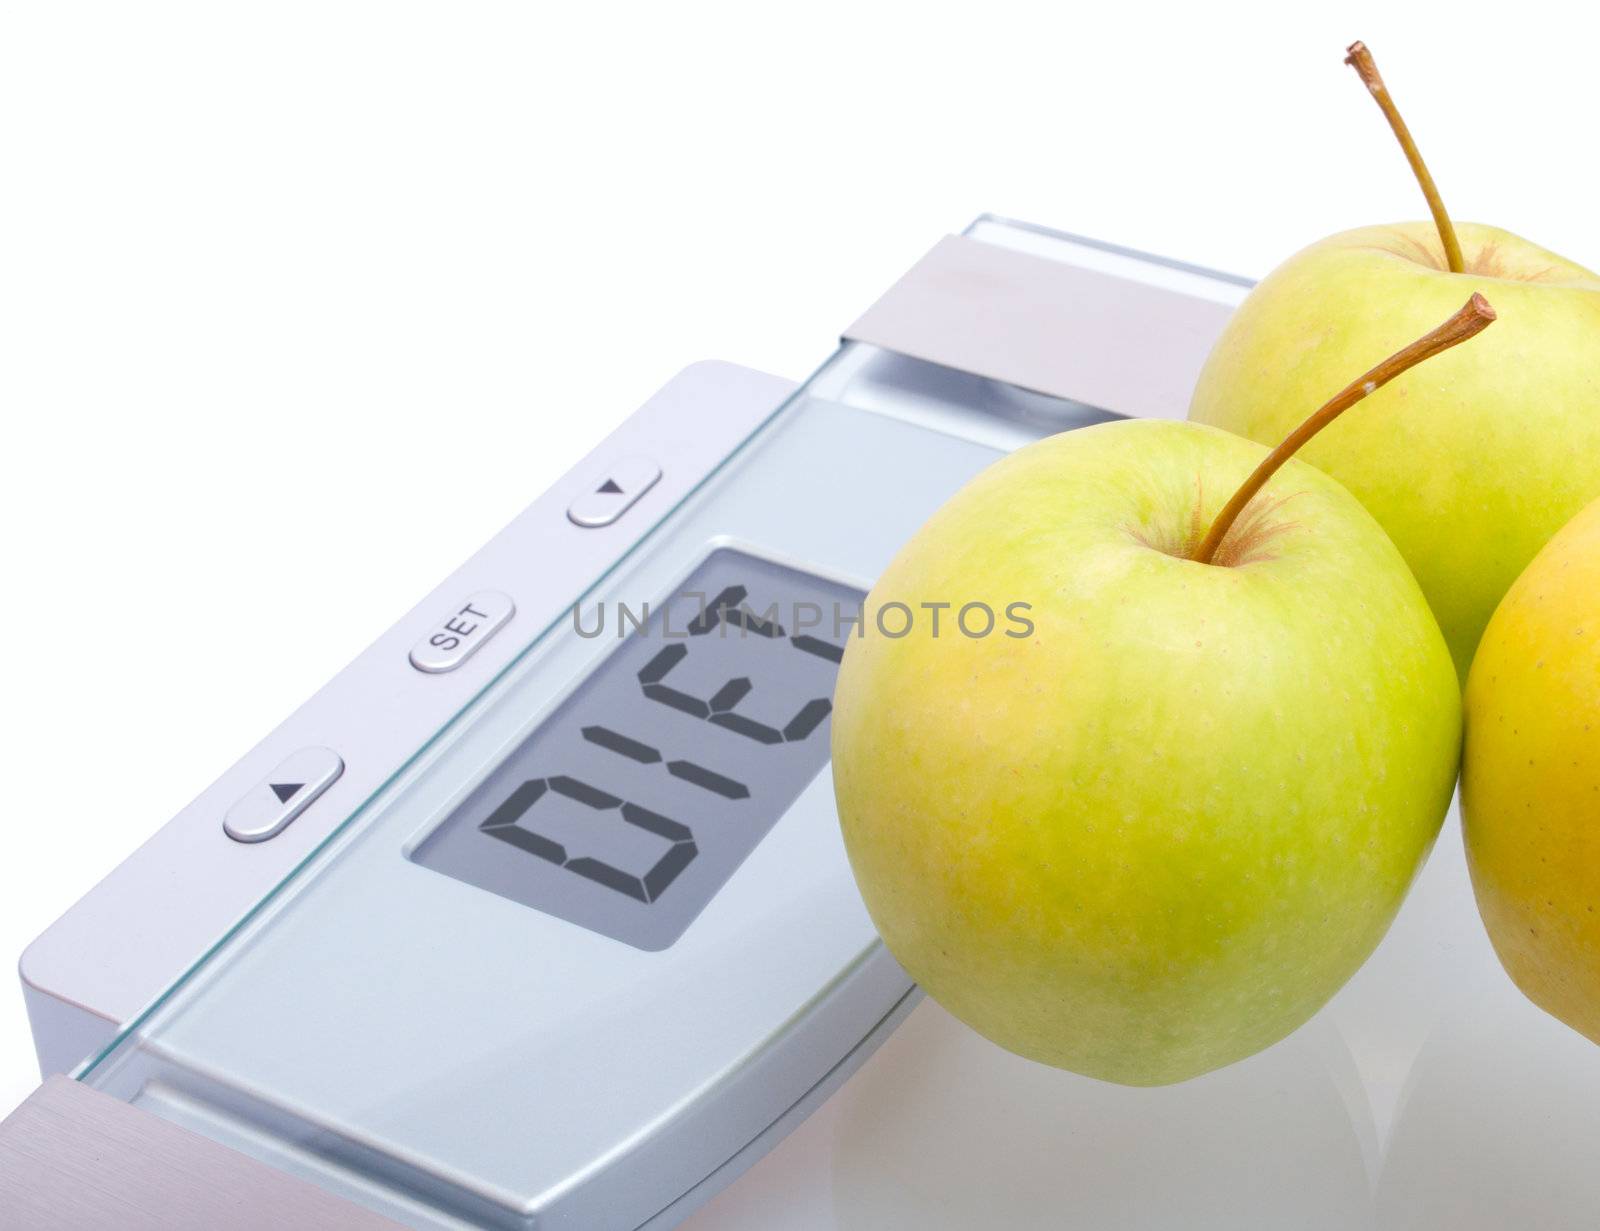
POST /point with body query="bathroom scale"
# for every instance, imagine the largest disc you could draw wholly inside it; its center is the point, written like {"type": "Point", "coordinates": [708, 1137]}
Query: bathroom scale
{"type": "Point", "coordinates": [538, 916]}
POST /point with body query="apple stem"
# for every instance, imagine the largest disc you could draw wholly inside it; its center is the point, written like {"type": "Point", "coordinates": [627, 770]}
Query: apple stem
{"type": "Point", "coordinates": [1359, 58]}
{"type": "Point", "coordinates": [1471, 320]}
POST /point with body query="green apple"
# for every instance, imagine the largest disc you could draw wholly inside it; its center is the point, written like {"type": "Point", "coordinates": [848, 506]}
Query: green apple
{"type": "Point", "coordinates": [1157, 834]}
{"type": "Point", "coordinates": [1470, 465]}
{"type": "Point", "coordinates": [1530, 779]}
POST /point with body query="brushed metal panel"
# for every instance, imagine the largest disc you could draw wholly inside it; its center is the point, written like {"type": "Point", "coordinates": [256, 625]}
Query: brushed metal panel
{"type": "Point", "coordinates": [1048, 326]}
{"type": "Point", "coordinates": [72, 1159]}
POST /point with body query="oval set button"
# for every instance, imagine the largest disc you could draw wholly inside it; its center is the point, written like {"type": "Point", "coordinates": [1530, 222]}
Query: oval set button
{"type": "Point", "coordinates": [458, 636]}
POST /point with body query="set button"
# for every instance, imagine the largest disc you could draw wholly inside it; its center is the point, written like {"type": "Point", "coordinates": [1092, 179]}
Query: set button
{"type": "Point", "coordinates": [267, 808]}
{"type": "Point", "coordinates": [462, 633]}
{"type": "Point", "coordinates": [614, 492]}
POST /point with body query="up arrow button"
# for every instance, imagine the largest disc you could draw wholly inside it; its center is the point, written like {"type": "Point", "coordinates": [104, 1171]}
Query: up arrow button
{"type": "Point", "coordinates": [265, 810]}
{"type": "Point", "coordinates": [614, 492]}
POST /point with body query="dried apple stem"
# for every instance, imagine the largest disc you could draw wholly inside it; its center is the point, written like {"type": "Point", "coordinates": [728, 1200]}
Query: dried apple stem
{"type": "Point", "coordinates": [1359, 58]}
{"type": "Point", "coordinates": [1471, 320]}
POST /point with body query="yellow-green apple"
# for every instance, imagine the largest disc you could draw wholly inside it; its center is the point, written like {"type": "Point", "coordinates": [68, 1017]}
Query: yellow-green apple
{"type": "Point", "coordinates": [1470, 465]}
{"type": "Point", "coordinates": [1155, 835]}
{"type": "Point", "coordinates": [1530, 781]}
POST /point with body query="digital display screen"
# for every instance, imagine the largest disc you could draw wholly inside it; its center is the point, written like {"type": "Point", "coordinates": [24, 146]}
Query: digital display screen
{"type": "Point", "coordinates": [629, 806]}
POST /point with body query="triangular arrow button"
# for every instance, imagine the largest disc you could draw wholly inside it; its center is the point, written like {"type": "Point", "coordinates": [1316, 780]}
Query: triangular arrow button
{"type": "Point", "coordinates": [285, 791]}
{"type": "Point", "coordinates": [610, 488]}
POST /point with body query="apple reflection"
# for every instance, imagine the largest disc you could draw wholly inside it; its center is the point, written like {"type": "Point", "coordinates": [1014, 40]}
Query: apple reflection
{"type": "Point", "coordinates": [944, 1130]}
{"type": "Point", "coordinates": [1499, 1127]}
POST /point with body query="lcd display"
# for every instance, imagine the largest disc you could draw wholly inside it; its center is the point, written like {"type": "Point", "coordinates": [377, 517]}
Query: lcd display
{"type": "Point", "coordinates": [631, 805]}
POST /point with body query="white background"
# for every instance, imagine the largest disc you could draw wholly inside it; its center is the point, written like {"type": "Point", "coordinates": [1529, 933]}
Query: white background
{"type": "Point", "coordinates": [299, 303]}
